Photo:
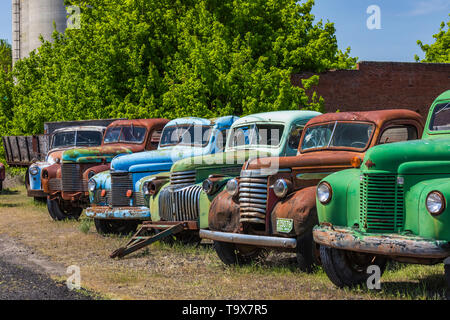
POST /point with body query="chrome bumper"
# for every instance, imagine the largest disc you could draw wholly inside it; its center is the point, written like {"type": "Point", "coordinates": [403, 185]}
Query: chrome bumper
{"type": "Point", "coordinates": [260, 241]}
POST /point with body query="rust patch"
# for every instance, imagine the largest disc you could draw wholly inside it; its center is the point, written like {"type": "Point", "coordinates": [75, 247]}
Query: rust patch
{"type": "Point", "coordinates": [224, 213]}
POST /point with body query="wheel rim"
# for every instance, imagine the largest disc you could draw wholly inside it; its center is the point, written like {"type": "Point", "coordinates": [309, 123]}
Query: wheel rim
{"type": "Point", "coordinates": [359, 262]}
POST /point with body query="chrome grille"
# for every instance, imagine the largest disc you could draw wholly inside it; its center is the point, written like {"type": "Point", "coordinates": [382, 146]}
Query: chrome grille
{"type": "Point", "coordinates": [99, 199]}
{"type": "Point", "coordinates": [120, 184]}
{"type": "Point", "coordinates": [182, 178]}
{"type": "Point", "coordinates": [381, 203]}
{"type": "Point", "coordinates": [71, 177]}
{"type": "Point", "coordinates": [253, 199]}
{"type": "Point", "coordinates": [55, 184]}
{"type": "Point", "coordinates": [138, 199]}
{"type": "Point", "coordinates": [180, 204]}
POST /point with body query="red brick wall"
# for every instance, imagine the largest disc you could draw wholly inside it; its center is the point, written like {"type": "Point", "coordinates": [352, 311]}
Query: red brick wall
{"type": "Point", "coordinates": [382, 85]}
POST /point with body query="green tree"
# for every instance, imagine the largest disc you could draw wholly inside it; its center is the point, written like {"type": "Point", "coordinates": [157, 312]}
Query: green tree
{"type": "Point", "coordinates": [5, 55]}
{"type": "Point", "coordinates": [439, 51]}
{"type": "Point", "coordinates": [173, 58]}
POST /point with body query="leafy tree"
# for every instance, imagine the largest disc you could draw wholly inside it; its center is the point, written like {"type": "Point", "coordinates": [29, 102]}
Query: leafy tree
{"type": "Point", "coordinates": [439, 51]}
{"type": "Point", "coordinates": [173, 58]}
{"type": "Point", "coordinates": [5, 55]}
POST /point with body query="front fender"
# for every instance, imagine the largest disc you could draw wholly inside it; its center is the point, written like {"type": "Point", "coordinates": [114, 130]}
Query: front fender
{"type": "Point", "coordinates": [95, 170]}
{"type": "Point", "coordinates": [224, 213]}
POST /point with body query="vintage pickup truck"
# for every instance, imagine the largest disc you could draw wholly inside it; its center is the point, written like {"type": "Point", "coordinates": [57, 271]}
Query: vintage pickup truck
{"type": "Point", "coordinates": [276, 208]}
{"type": "Point", "coordinates": [195, 182]}
{"type": "Point", "coordinates": [117, 204]}
{"type": "Point", "coordinates": [66, 181]}
{"type": "Point", "coordinates": [61, 140]}
{"type": "Point", "coordinates": [394, 207]}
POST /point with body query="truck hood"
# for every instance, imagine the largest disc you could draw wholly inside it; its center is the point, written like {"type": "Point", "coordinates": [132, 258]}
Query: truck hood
{"type": "Point", "coordinates": [147, 161]}
{"type": "Point", "coordinates": [94, 154]}
{"type": "Point", "coordinates": [391, 157]}
{"type": "Point", "coordinates": [316, 160]}
{"type": "Point", "coordinates": [223, 159]}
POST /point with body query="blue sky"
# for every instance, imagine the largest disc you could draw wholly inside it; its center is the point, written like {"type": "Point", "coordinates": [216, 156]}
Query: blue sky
{"type": "Point", "coordinates": [403, 22]}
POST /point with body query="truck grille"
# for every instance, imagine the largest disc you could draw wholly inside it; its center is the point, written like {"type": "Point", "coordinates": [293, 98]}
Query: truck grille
{"type": "Point", "coordinates": [71, 178]}
{"type": "Point", "coordinates": [138, 199]}
{"type": "Point", "coordinates": [381, 203]}
{"type": "Point", "coordinates": [182, 178]}
{"type": "Point", "coordinates": [120, 184]}
{"type": "Point", "coordinates": [99, 199]}
{"type": "Point", "coordinates": [180, 204]}
{"type": "Point", "coordinates": [55, 184]}
{"type": "Point", "coordinates": [253, 199]}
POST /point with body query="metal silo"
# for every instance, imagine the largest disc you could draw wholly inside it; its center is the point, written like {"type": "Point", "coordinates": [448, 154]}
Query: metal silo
{"type": "Point", "coordinates": [32, 18]}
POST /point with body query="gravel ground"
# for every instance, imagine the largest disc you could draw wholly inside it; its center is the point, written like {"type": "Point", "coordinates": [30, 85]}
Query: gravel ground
{"type": "Point", "coordinates": [20, 283]}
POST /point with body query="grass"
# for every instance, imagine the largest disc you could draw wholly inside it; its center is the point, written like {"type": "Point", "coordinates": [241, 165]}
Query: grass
{"type": "Point", "coordinates": [164, 271]}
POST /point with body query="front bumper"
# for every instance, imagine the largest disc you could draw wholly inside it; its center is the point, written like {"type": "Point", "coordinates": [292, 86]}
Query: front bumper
{"type": "Point", "coordinates": [122, 213]}
{"type": "Point", "coordinates": [246, 239]}
{"type": "Point", "coordinates": [393, 245]}
{"type": "Point", "coordinates": [36, 193]}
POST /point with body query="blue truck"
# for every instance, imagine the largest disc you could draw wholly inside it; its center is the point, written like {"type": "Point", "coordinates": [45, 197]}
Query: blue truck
{"type": "Point", "coordinates": [115, 194]}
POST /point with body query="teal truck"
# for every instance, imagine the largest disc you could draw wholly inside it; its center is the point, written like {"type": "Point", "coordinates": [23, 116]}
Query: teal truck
{"type": "Point", "coordinates": [395, 206]}
{"type": "Point", "coordinates": [182, 198]}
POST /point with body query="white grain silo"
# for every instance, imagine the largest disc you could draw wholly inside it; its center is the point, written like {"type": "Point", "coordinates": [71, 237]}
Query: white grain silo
{"type": "Point", "coordinates": [32, 18]}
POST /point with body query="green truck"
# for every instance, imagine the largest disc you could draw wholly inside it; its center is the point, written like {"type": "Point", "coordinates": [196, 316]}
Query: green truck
{"type": "Point", "coordinates": [395, 206]}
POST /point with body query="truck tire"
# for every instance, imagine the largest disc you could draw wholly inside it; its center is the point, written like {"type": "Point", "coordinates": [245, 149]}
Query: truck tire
{"type": "Point", "coordinates": [346, 268]}
{"type": "Point", "coordinates": [59, 212]}
{"type": "Point", "coordinates": [306, 259]}
{"type": "Point", "coordinates": [447, 279]}
{"type": "Point", "coordinates": [230, 254]}
{"type": "Point", "coordinates": [119, 227]}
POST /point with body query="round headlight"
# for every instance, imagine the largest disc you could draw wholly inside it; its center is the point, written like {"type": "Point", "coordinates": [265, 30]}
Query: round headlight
{"type": "Point", "coordinates": [91, 174]}
{"type": "Point", "coordinates": [91, 185]}
{"type": "Point", "coordinates": [324, 192]}
{"type": "Point", "coordinates": [208, 186]}
{"type": "Point", "coordinates": [145, 188]}
{"type": "Point", "coordinates": [34, 170]}
{"type": "Point", "coordinates": [233, 187]}
{"type": "Point", "coordinates": [435, 203]}
{"type": "Point", "coordinates": [280, 188]}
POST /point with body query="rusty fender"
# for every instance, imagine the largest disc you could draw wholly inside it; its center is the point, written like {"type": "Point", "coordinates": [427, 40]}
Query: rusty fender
{"type": "Point", "coordinates": [54, 171]}
{"type": "Point", "coordinates": [95, 169]}
{"type": "Point", "coordinates": [393, 245]}
{"type": "Point", "coordinates": [300, 206]}
{"type": "Point", "coordinates": [224, 213]}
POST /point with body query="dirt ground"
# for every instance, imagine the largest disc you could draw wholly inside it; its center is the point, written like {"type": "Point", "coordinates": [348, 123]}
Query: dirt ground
{"type": "Point", "coordinates": [166, 272]}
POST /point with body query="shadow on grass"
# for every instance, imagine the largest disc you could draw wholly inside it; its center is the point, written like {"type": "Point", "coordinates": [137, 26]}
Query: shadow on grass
{"type": "Point", "coordinates": [9, 192]}
{"type": "Point", "coordinates": [8, 205]}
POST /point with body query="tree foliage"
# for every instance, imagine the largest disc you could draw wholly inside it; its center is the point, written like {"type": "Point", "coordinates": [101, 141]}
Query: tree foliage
{"type": "Point", "coordinates": [173, 58]}
{"type": "Point", "coordinates": [439, 51]}
{"type": "Point", "coordinates": [5, 55]}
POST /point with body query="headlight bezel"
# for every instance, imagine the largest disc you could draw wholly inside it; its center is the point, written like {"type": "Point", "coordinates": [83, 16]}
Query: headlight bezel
{"type": "Point", "coordinates": [232, 187]}
{"type": "Point", "coordinates": [330, 193]}
{"type": "Point", "coordinates": [443, 203]}
{"type": "Point", "coordinates": [208, 186]}
{"type": "Point", "coordinates": [92, 185]}
{"type": "Point", "coordinates": [34, 170]}
{"type": "Point", "coordinates": [145, 188]}
{"type": "Point", "coordinates": [283, 192]}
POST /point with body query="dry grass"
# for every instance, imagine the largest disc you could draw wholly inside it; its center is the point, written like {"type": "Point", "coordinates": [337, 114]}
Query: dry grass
{"type": "Point", "coordinates": [164, 272]}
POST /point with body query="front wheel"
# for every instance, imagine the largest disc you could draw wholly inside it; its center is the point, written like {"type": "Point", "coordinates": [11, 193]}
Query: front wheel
{"type": "Point", "coordinates": [118, 227]}
{"type": "Point", "coordinates": [347, 268]}
{"type": "Point", "coordinates": [231, 254]}
{"type": "Point", "coordinates": [58, 211]}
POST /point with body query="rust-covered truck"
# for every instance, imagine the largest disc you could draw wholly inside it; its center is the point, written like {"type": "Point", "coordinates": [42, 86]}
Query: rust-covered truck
{"type": "Point", "coordinates": [272, 204]}
{"type": "Point", "coordinates": [66, 182]}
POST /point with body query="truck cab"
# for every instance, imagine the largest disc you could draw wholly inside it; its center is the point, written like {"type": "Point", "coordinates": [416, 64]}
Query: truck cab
{"type": "Point", "coordinates": [117, 202]}
{"type": "Point", "coordinates": [395, 206]}
{"type": "Point", "coordinates": [271, 205]}
{"type": "Point", "coordinates": [66, 181]}
{"type": "Point", "coordinates": [61, 140]}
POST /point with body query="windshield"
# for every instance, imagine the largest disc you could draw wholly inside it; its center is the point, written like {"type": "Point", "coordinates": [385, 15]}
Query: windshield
{"type": "Point", "coordinates": [440, 120]}
{"type": "Point", "coordinates": [187, 135]}
{"type": "Point", "coordinates": [338, 135]}
{"type": "Point", "coordinates": [256, 134]}
{"type": "Point", "coordinates": [129, 134]}
{"type": "Point", "coordinates": [76, 138]}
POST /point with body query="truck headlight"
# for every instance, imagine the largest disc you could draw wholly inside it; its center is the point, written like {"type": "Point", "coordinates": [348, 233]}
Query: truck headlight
{"type": "Point", "coordinates": [145, 188]}
{"type": "Point", "coordinates": [91, 185]}
{"type": "Point", "coordinates": [435, 203]}
{"type": "Point", "coordinates": [208, 186]}
{"type": "Point", "coordinates": [34, 170]}
{"type": "Point", "coordinates": [91, 174]}
{"type": "Point", "coordinates": [280, 188]}
{"type": "Point", "coordinates": [324, 192]}
{"type": "Point", "coordinates": [233, 187]}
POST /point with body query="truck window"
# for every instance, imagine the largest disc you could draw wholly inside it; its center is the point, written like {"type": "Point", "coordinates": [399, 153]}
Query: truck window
{"type": "Point", "coordinates": [256, 134]}
{"type": "Point", "coordinates": [440, 120]}
{"type": "Point", "coordinates": [294, 137]}
{"type": "Point", "coordinates": [89, 138]}
{"type": "Point", "coordinates": [153, 141]}
{"type": "Point", "coordinates": [76, 138]}
{"type": "Point", "coordinates": [130, 134]}
{"type": "Point", "coordinates": [398, 133]}
{"type": "Point", "coordinates": [187, 135]}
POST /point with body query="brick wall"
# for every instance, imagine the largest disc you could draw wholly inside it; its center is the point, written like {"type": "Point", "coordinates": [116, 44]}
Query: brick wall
{"type": "Point", "coordinates": [382, 85]}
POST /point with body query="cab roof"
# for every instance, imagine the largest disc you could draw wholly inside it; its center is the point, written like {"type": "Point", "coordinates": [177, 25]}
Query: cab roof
{"type": "Point", "coordinates": [80, 128]}
{"type": "Point", "coordinates": [278, 116]}
{"type": "Point", "coordinates": [378, 117]}
{"type": "Point", "coordinates": [148, 123]}
{"type": "Point", "coordinates": [444, 96]}
{"type": "Point", "coordinates": [226, 121]}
